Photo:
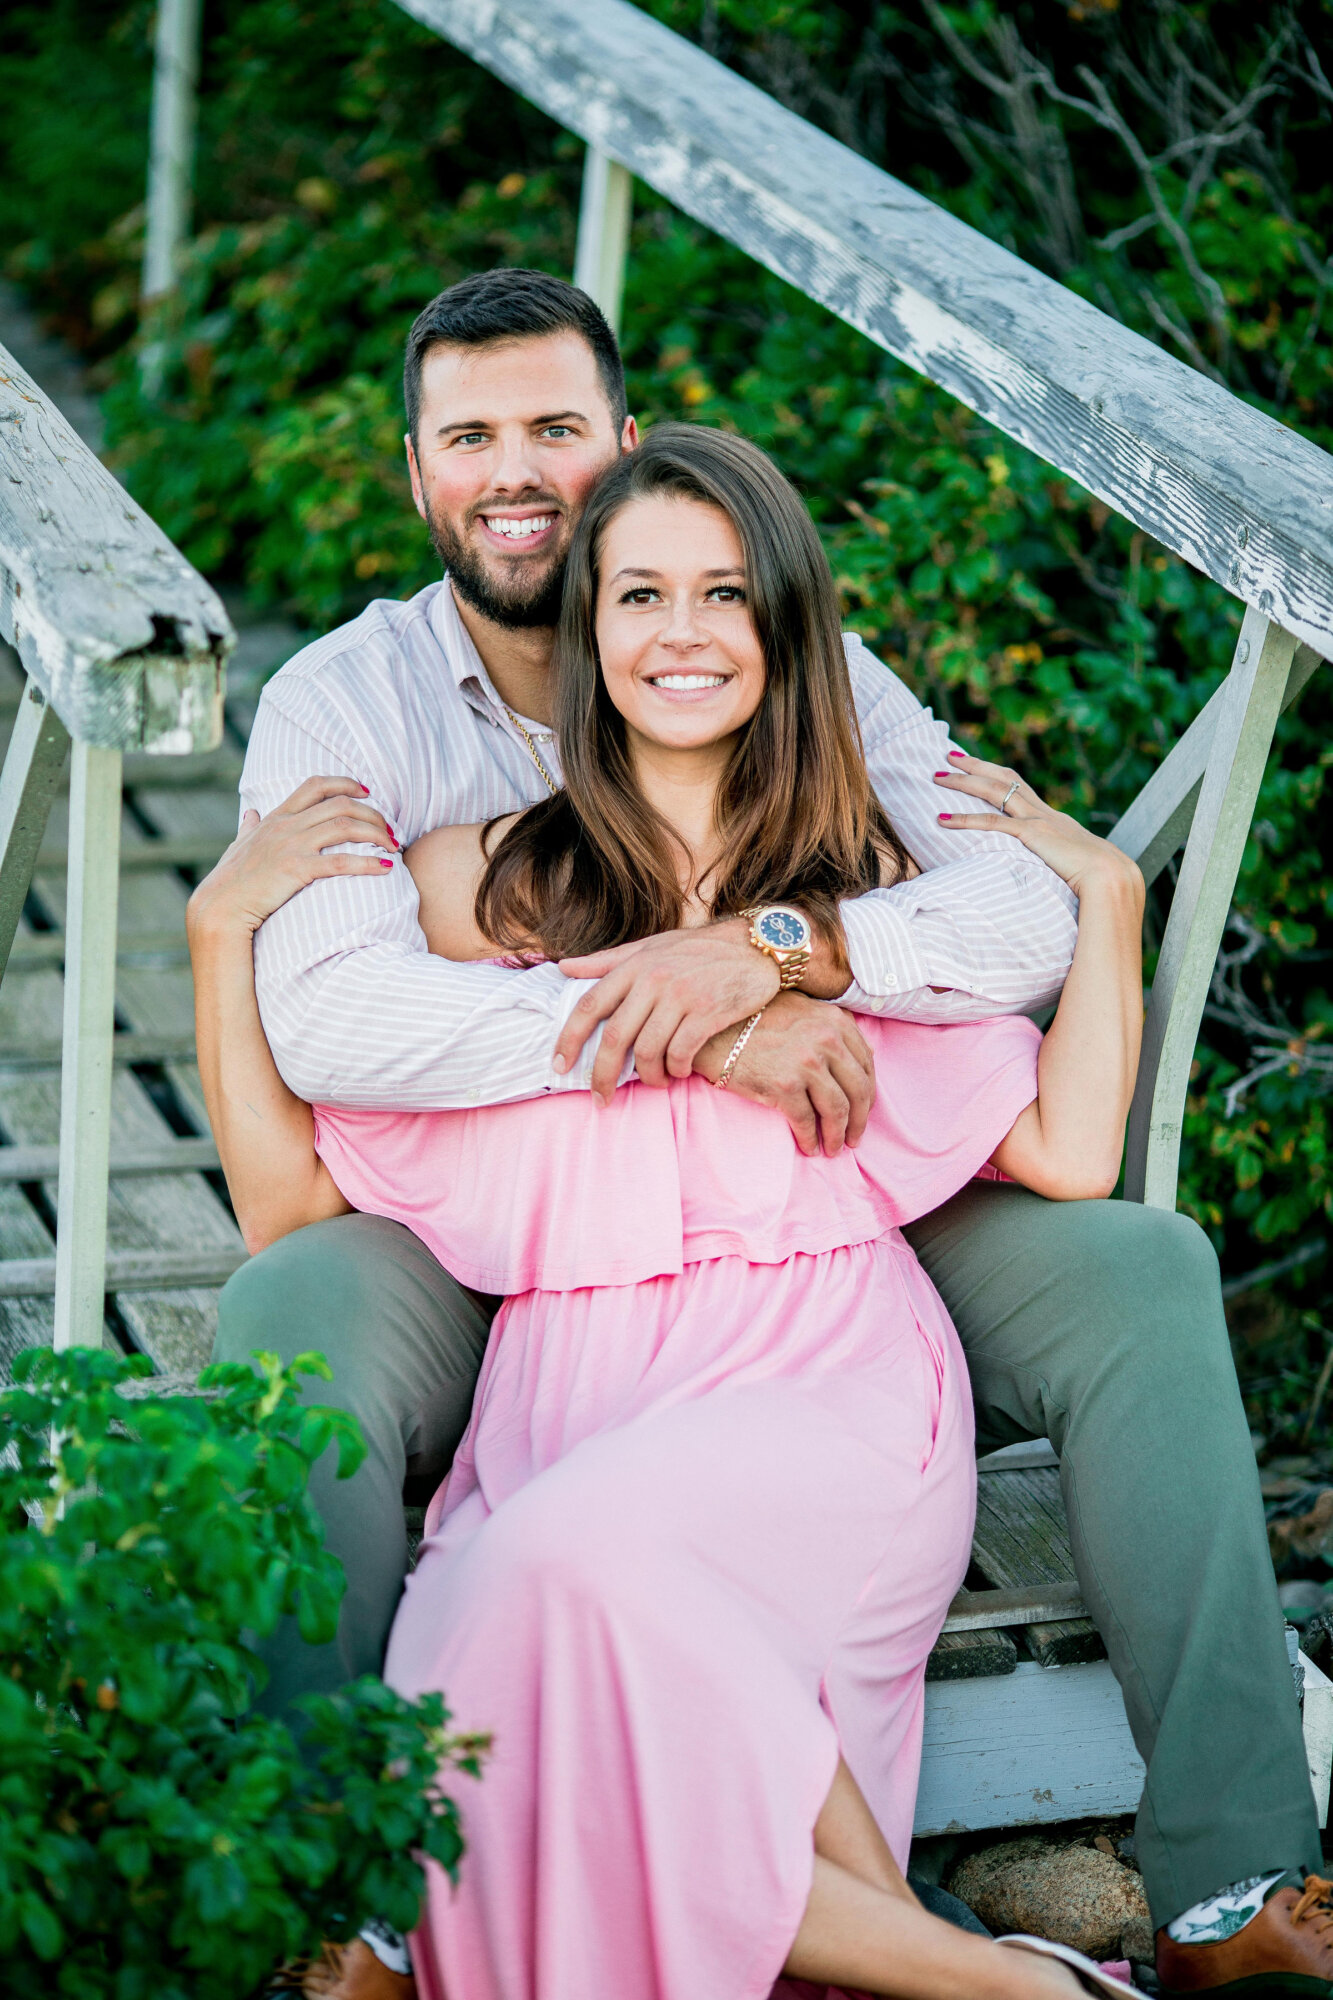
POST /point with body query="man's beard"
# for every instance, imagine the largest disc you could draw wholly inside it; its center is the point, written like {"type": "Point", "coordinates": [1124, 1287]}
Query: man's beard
{"type": "Point", "coordinates": [522, 603]}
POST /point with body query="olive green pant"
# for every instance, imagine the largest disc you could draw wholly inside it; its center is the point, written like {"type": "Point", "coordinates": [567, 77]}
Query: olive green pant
{"type": "Point", "coordinates": [1096, 1324]}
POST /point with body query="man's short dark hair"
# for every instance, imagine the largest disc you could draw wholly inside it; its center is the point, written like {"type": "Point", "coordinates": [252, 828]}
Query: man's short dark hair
{"type": "Point", "coordinates": [511, 305]}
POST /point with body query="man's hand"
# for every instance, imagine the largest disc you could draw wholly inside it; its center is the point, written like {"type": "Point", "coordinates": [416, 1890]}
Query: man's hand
{"type": "Point", "coordinates": [664, 997]}
{"type": "Point", "coordinates": [808, 1060]}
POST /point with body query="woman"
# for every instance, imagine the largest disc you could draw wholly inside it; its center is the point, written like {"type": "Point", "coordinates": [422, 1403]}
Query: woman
{"type": "Point", "coordinates": [718, 1487]}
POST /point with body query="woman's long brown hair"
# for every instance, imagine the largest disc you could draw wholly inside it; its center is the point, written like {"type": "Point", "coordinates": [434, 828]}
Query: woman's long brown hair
{"type": "Point", "coordinates": [797, 820]}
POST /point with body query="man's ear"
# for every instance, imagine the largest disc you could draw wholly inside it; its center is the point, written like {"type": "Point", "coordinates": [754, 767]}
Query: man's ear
{"type": "Point", "coordinates": [414, 473]}
{"type": "Point", "coordinates": [629, 437]}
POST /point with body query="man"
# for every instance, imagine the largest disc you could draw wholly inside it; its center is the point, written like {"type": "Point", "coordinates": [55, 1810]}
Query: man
{"type": "Point", "coordinates": [1097, 1324]}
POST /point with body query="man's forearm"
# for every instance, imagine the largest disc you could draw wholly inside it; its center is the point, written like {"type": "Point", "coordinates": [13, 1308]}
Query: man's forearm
{"type": "Point", "coordinates": [986, 935]}
{"type": "Point", "coordinates": [390, 1029]}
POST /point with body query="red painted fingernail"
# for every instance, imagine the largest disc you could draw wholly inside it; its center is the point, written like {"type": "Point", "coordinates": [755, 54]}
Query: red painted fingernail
{"type": "Point", "coordinates": [389, 864]}
{"type": "Point", "coordinates": [956, 753]}
{"type": "Point", "coordinates": [944, 774]}
{"type": "Point", "coordinates": [946, 815]}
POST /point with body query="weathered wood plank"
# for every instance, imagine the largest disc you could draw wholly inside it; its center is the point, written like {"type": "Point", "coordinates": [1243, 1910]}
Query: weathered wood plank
{"type": "Point", "coordinates": [129, 1272]}
{"type": "Point", "coordinates": [155, 1156]}
{"type": "Point", "coordinates": [1240, 496]}
{"type": "Point", "coordinates": [983, 1610]}
{"type": "Point", "coordinates": [1021, 1540]}
{"type": "Point", "coordinates": [89, 1024]}
{"type": "Point", "coordinates": [125, 640]}
{"type": "Point", "coordinates": [36, 751]}
{"type": "Point", "coordinates": [969, 1656]}
{"type": "Point", "coordinates": [37, 953]}
{"type": "Point", "coordinates": [191, 851]}
{"type": "Point", "coordinates": [37, 1052]}
{"type": "Point", "coordinates": [1027, 1749]}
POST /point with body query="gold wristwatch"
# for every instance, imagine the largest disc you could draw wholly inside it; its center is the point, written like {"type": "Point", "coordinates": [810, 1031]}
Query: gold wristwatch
{"type": "Point", "coordinates": [783, 935]}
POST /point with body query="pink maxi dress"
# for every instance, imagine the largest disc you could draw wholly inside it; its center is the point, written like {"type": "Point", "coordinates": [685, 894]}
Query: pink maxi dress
{"type": "Point", "coordinates": [715, 1497]}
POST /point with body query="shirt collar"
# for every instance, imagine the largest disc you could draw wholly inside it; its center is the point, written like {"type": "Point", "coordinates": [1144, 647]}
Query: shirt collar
{"type": "Point", "coordinates": [464, 661]}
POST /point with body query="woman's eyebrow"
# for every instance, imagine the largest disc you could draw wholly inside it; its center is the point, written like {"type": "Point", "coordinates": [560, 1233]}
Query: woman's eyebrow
{"type": "Point", "coordinates": [733, 569]}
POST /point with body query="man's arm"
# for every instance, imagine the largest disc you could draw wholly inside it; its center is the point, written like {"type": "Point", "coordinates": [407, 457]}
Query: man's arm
{"type": "Point", "coordinates": [985, 921]}
{"type": "Point", "coordinates": [356, 1010]}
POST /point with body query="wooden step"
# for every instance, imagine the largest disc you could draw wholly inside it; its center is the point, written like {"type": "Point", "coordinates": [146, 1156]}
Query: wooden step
{"type": "Point", "coordinates": [43, 1052]}
{"type": "Point", "coordinates": [126, 1271]}
{"type": "Point", "coordinates": [157, 1156]}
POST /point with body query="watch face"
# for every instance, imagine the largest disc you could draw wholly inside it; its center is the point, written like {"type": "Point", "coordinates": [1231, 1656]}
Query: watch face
{"type": "Point", "coordinates": [784, 930]}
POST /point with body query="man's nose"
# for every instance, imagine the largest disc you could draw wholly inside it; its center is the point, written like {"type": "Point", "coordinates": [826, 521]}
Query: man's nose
{"type": "Point", "coordinates": [515, 470]}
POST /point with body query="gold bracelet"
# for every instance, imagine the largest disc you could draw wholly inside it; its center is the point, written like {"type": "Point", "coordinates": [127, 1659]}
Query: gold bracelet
{"type": "Point", "coordinates": [729, 1066]}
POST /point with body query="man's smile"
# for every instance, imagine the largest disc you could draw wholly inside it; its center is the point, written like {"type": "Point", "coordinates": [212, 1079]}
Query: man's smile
{"type": "Point", "coordinates": [509, 529]}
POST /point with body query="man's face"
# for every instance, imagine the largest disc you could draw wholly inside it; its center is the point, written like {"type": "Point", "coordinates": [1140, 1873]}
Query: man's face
{"type": "Point", "coordinates": [510, 441]}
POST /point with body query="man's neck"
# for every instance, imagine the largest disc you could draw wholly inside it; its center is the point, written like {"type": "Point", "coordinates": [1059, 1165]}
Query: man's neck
{"type": "Point", "coordinates": [518, 660]}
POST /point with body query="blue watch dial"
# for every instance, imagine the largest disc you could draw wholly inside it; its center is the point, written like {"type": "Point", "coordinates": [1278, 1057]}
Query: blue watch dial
{"type": "Point", "coordinates": [782, 929]}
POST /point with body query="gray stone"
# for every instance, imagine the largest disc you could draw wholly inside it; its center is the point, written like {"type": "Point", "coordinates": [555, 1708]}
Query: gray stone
{"type": "Point", "coordinates": [1071, 1894]}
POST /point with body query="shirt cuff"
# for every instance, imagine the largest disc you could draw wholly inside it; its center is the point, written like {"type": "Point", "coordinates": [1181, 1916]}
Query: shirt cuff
{"type": "Point", "coordinates": [881, 952]}
{"type": "Point", "coordinates": [580, 1076]}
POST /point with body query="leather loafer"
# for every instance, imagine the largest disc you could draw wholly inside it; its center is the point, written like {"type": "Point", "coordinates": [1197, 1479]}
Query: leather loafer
{"type": "Point", "coordinates": [1287, 1949]}
{"type": "Point", "coordinates": [346, 1972]}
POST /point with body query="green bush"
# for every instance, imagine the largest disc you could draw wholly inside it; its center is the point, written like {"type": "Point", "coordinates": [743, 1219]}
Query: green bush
{"type": "Point", "coordinates": [158, 1839]}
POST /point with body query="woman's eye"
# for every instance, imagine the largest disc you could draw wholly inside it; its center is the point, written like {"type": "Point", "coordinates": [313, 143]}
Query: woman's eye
{"type": "Point", "coordinates": [643, 595]}
{"type": "Point", "coordinates": [728, 593]}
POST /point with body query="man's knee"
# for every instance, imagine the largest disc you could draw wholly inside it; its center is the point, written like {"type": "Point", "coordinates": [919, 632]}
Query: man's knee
{"type": "Point", "coordinates": [1147, 1273]}
{"type": "Point", "coordinates": [321, 1289]}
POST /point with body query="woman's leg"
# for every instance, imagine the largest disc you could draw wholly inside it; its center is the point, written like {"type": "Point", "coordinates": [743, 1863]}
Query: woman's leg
{"type": "Point", "coordinates": [863, 1926]}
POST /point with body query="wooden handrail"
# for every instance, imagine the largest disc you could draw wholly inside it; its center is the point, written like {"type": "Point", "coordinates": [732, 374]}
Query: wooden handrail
{"type": "Point", "coordinates": [125, 641]}
{"type": "Point", "coordinates": [1237, 494]}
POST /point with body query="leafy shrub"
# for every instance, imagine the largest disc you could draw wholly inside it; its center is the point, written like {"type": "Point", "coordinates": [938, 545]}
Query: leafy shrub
{"type": "Point", "coordinates": [158, 1839]}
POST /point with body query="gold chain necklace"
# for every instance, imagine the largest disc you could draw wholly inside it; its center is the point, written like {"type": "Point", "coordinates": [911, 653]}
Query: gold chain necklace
{"type": "Point", "coordinates": [551, 784]}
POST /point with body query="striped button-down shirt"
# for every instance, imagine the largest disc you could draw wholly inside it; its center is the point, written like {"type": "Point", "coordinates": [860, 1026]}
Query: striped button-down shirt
{"type": "Point", "coordinates": [359, 1012]}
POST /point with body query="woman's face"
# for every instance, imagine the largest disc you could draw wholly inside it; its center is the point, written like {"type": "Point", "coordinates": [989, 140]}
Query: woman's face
{"type": "Point", "coordinates": [680, 656]}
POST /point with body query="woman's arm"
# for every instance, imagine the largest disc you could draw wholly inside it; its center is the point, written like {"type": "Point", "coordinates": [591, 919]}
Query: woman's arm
{"type": "Point", "coordinates": [1068, 1144]}
{"type": "Point", "coordinates": [264, 1133]}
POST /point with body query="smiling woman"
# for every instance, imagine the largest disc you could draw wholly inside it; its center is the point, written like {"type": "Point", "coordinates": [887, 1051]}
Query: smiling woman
{"type": "Point", "coordinates": [699, 653]}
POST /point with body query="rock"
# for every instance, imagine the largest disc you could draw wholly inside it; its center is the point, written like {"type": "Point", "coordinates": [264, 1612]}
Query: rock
{"type": "Point", "coordinates": [1073, 1895]}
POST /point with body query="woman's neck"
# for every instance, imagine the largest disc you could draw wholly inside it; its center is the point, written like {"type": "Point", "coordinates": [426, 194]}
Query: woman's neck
{"type": "Point", "coordinates": [682, 786]}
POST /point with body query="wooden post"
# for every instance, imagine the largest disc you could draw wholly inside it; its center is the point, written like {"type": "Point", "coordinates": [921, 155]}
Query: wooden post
{"type": "Point", "coordinates": [175, 74]}
{"type": "Point", "coordinates": [32, 768]}
{"type": "Point", "coordinates": [1251, 702]}
{"type": "Point", "coordinates": [604, 213]}
{"type": "Point", "coordinates": [85, 1088]}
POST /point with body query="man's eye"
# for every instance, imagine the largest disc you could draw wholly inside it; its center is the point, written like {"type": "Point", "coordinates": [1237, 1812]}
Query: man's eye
{"type": "Point", "coordinates": [558, 431]}
{"type": "Point", "coordinates": [471, 437]}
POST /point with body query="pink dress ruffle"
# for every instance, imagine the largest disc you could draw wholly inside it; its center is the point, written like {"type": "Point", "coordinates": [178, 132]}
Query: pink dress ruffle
{"type": "Point", "coordinates": [715, 1497]}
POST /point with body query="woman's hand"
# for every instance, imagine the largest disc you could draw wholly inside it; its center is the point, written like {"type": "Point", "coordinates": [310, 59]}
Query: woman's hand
{"type": "Point", "coordinates": [1065, 846]}
{"type": "Point", "coordinates": [273, 857]}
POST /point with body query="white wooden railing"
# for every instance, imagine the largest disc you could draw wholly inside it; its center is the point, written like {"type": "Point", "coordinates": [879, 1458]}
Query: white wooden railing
{"type": "Point", "coordinates": [124, 647]}
{"type": "Point", "coordinates": [1239, 496]}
